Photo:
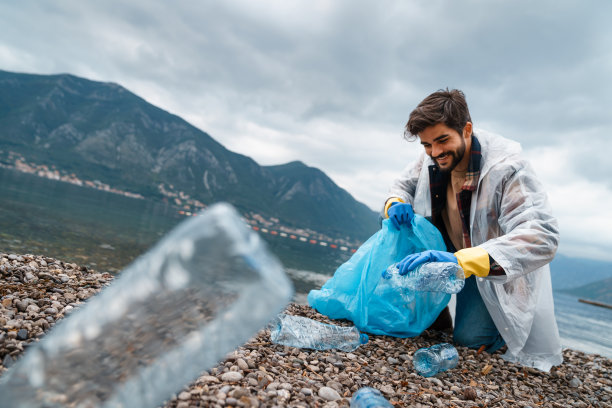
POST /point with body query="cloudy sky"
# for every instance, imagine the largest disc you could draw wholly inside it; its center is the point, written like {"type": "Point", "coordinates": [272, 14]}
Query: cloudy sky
{"type": "Point", "coordinates": [331, 83]}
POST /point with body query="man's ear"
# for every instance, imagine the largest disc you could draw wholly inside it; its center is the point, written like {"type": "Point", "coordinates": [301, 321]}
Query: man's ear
{"type": "Point", "coordinates": [467, 130]}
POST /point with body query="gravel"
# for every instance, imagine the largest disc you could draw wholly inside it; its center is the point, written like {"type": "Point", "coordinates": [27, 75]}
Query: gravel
{"type": "Point", "coordinates": [37, 291]}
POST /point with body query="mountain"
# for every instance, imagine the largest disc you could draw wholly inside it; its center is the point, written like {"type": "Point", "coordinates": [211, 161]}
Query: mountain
{"type": "Point", "coordinates": [101, 131]}
{"type": "Point", "coordinates": [600, 291]}
{"type": "Point", "coordinates": [569, 272]}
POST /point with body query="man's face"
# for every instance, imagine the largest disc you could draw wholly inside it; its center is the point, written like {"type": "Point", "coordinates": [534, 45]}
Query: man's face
{"type": "Point", "coordinates": [444, 145]}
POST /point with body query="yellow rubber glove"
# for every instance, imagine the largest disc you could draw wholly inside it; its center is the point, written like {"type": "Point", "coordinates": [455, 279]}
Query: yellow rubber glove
{"type": "Point", "coordinates": [390, 202]}
{"type": "Point", "coordinates": [473, 261]}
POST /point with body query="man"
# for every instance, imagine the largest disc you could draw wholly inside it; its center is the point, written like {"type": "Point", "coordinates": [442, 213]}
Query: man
{"type": "Point", "coordinates": [497, 225]}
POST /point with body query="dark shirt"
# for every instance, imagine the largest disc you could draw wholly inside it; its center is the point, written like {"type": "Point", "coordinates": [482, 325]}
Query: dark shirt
{"type": "Point", "coordinates": [438, 182]}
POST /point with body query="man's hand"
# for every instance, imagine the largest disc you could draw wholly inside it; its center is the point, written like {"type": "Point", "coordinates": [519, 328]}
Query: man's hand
{"type": "Point", "coordinates": [400, 213]}
{"type": "Point", "coordinates": [412, 261]}
{"type": "Point", "coordinates": [473, 261]}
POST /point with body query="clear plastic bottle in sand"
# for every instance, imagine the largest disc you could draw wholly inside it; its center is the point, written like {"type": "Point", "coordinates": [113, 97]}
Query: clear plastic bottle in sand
{"type": "Point", "coordinates": [432, 360]}
{"type": "Point", "coordinates": [367, 397]}
{"type": "Point", "coordinates": [302, 332]}
{"type": "Point", "coordinates": [203, 290]}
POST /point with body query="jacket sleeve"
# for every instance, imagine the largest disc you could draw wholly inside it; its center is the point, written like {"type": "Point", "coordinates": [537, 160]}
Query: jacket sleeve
{"type": "Point", "coordinates": [526, 233]}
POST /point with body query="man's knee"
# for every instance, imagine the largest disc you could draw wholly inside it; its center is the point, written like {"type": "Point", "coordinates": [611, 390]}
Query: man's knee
{"type": "Point", "coordinates": [474, 338]}
{"type": "Point", "coordinates": [467, 337]}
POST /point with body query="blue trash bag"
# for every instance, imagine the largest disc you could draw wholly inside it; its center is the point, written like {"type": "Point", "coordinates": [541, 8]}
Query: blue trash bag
{"type": "Point", "coordinates": [352, 292]}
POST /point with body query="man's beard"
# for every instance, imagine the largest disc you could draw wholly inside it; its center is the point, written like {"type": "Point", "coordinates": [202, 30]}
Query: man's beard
{"type": "Point", "coordinates": [455, 155]}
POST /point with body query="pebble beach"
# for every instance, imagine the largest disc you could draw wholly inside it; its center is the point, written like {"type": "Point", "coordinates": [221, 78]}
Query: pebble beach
{"type": "Point", "coordinates": [38, 291]}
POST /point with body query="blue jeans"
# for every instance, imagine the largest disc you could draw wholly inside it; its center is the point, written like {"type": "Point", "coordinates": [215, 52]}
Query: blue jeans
{"type": "Point", "coordinates": [473, 324]}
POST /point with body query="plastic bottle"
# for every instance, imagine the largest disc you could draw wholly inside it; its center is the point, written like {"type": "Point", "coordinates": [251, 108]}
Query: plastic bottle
{"type": "Point", "coordinates": [445, 277]}
{"type": "Point", "coordinates": [203, 290]}
{"type": "Point", "coordinates": [302, 332]}
{"type": "Point", "coordinates": [429, 361]}
{"type": "Point", "coordinates": [367, 397]}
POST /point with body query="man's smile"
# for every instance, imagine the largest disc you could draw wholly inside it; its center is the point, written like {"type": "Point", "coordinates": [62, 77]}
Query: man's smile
{"type": "Point", "coordinates": [443, 158]}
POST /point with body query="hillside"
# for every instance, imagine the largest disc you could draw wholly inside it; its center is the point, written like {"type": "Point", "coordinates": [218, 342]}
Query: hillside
{"type": "Point", "coordinates": [600, 291]}
{"type": "Point", "coordinates": [569, 272]}
{"type": "Point", "coordinates": [101, 131]}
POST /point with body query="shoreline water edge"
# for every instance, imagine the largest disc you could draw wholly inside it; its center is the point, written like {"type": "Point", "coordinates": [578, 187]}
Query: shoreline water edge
{"type": "Point", "coordinates": [37, 291]}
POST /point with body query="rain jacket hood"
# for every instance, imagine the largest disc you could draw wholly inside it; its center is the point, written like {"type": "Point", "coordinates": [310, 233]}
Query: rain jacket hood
{"type": "Point", "coordinates": [511, 219]}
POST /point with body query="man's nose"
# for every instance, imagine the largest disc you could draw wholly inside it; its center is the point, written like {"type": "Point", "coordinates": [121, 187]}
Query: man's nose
{"type": "Point", "coordinates": [436, 151]}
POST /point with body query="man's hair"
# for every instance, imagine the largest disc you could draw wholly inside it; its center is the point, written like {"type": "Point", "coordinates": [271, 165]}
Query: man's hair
{"type": "Point", "coordinates": [443, 106]}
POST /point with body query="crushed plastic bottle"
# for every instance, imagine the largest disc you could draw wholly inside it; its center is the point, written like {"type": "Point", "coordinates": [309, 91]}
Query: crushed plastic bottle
{"type": "Point", "coordinates": [447, 277]}
{"type": "Point", "coordinates": [302, 332]}
{"type": "Point", "coordinates": [368, 397]}
{"type": "Point", "coordinates": [429, 361]}
{"type": "Point", "coordinates": [202, 291]}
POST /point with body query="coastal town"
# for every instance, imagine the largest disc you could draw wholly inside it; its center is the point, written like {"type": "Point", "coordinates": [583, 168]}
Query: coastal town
{"type": "Point", "coordinates": [185, 205]}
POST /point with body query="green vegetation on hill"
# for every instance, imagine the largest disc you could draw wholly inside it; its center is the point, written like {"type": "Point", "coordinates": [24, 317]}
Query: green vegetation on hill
{"type": "Point", "coordinates": [101, 131]}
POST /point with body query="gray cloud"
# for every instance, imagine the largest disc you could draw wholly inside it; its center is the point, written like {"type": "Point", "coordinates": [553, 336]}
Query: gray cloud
{"type": "Point", "coordinates": [332, 82]}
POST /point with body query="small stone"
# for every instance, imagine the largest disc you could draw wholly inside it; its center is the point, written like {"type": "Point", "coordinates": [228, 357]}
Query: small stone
{"type": "Point", "coordinates": [184, 396]}
{"type": "Point", "coordinates": [436, 381]}
{"type": "Point", "coordinates": [63, 277]}
{"type": "Point", "coordinates": [249, 401]}
{"type": "Point", "coordinates": [329, 394]}
{"type": "Point", "coordinates": [335, 385]}
{"type": "Point", "coordinates": [182, 404]}
{"type": "Point", "coordinates": [283, 395]}
{"type": "Point", "coordinates": [22, 305]}
{"type": "Point", "coordinates": [32, 309]}
{"type": "Point", "coordinates": [387, 389]}
{"type": "Point", "coordinates": [238, 393]}
{"type": "Point", "coordinates": [575, 382]}
{"type": "Point", "coordinates": [242, 364]}
{"type": "Point", "coordinates": [231, 401]}
{"type": "Point", "coordinates": [392, 360]}
{"type": "Point", "coordinates": [306, 391]}
{"type": "Point", "coordinates": [207, 379]}
{"type": "Point", "coordinates": [232, 376]}
{"type": "Point", "coordinates": [22, 334]}
{"type": "Point", "coordinates": [13, 324]}
{"type": "Point", "coordinates": [470, 394]}
{"type": "Point", "coordinates": [51, 311]}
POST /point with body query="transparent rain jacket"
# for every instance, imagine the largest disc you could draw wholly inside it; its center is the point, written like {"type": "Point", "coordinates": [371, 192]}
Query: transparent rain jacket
{"type": "Point", "coordinates": [511, 219]}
